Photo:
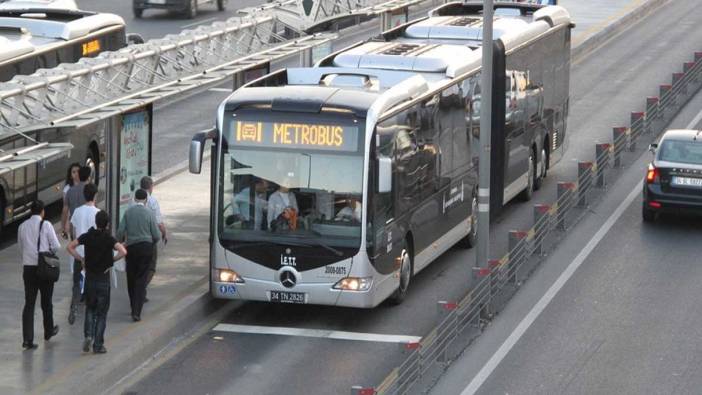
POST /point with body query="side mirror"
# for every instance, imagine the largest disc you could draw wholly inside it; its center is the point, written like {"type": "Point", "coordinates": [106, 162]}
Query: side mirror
{"type": "Point", "coordinates": [197, 148]}
{"type": "Point", "coordinates": [384, 175]}
{"type": "Point", "coordinates": [653, 147]}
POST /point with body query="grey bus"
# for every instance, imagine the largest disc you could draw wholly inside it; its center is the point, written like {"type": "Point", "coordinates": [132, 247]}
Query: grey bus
{"type": "Point", "coordinates": [336, 184]}
{"type": "Point", "coordinates": [34, 38]}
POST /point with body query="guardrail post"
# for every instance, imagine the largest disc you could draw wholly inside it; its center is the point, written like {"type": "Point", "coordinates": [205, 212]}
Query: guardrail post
{"type": "Point", "coordinates": [564, 191]}
{"type": "Point", "coordinates": [516, 242]}
{"type": "Point", "coordinates": [238, 80]}
{"type": "Point", "coordinates": [619, 141]}
{"type": "Point", "coordinates": [651, 112]}
{"type": "Point", "coordinates": [677, 81]}
{"type": "Point", "coordinates": [584, 182]}
{"type": "Point", "coordinates": [664, 91]}
{"type": "Point", "coordinates": [541, 227]}
{"type": "Point", "coordinates": [445, 308]}
{"type": "Point", "coordinates": [637, 123]}
{"type": "Point", "coordinates": [602, 160]}
{"type": "Point", "coordinates": [306, 57]}
{"type": "Point", "coordinates": [358, 390]}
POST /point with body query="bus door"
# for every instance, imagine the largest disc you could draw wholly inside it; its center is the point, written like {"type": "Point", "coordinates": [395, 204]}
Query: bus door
{"type": "Point", "coordinates": [517, 146]}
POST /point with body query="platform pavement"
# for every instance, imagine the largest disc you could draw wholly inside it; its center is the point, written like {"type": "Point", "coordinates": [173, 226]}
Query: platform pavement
{"type": "Point", "coordinates": [178, 291]}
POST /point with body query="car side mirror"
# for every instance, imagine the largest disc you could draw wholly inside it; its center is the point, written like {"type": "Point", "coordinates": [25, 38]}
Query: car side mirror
{"type": "Point", "coordinates": [384, 175]}
{"type": "Point", "coordinates": [652, 148]}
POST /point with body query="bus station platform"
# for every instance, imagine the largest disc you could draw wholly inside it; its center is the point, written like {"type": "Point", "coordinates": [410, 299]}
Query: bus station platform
{"type": "Point", "coordinates": [179, 301]}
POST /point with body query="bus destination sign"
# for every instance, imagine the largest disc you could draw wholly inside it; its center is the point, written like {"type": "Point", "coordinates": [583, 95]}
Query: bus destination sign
{"type": "Point", "coordinates": [296, 135]}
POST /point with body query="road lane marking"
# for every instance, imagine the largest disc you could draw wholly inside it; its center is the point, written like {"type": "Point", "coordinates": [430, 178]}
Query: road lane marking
{"type": "Point", "coordinates": [519, 331]}
{"type": "Point", "coordinates": [220, 90]}
{"type": "Point", "coordinates": [318, 333]}
{"type": "Point", "coordinates": [198, 22]}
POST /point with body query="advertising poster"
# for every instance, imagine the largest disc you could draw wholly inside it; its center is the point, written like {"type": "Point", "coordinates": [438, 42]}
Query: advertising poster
{"type": "Point", "coordinates": [133, 155]}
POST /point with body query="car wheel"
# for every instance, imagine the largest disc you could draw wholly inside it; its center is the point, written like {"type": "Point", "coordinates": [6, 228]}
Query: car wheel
{"type": "Point", "coordinates": [647, 214]}
{"type": "Point", "coordinates": [191, 10]}
{"type": "Point", "coordinates": [405, 276]}
{"type": "Point", "coordinates": [221, 5]}
{"type": "Point", "coordinates": [528, 192]}
{"type": "Point", "coordinates": [138, 12]}
{"type": "Point", "coordinates": [472, 236]}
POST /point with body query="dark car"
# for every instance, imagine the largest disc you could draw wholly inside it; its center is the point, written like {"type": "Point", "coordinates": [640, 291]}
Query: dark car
{"type": "Point", "coordinates": [187, 7]}
{"type": "Point", "coordinates": [673, 182]}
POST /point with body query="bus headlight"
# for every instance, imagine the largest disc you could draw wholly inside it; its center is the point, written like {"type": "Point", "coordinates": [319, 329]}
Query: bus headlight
{"type": "Point", "coordinates": [229, 276]}
{"type": "Point", "coordinates": [354, 284]}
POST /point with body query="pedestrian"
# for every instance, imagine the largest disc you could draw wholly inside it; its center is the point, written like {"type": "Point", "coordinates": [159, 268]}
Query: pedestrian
{"type": "Point", "coordinates": [97, 261]}
{"type": "Point", "coordinates": [147, 184]}
{"type": "Point", "coordinates": [139, 231]}
{"type": "Point", "coordinates": [34, 236]}
{"type": "Point", "coordinates": [82, 220]}
{"type": "Point", "coordinates": [74, 199]}
{"type": "Point", "coordinates": [71, 178]}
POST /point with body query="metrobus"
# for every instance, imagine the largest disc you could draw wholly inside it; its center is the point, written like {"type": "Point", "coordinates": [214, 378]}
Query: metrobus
{"type": "Point", "coordinates": [34, 38]}
{"type": "Point", "coordinates": [336, 184]}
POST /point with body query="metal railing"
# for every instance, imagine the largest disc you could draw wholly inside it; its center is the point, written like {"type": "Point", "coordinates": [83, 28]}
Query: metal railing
{"type": "Point", "coordinates": [461, 322]}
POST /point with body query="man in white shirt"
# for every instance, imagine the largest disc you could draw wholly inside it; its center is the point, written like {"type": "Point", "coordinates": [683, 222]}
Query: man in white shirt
{"type": "Point", "coordinates": [82, 219]}
{"type": "Point", "coordinates": [352, 211]}
{"type": "Point", "coordinates": [27, 237]}
{"type": "Point", "coordinates": [241, 206]}
{"type": "Point", "coordinates": [280, 200]}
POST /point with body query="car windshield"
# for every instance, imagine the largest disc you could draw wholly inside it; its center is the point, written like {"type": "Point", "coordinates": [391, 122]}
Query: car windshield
{"type": "Point", "coordinates": [292, 183]}
{"type": "Point", "coordinates": [680, 151]}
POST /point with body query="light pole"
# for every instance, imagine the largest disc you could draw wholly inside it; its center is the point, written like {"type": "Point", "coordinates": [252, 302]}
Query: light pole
{"type": "Point", "coordinates": [485, 133]}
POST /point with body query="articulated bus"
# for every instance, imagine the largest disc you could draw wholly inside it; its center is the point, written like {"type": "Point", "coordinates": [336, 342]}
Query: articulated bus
{"type": "Point", "coordinates": [336, 184]}
{"type": "Point", "coordinates": [35, 38]}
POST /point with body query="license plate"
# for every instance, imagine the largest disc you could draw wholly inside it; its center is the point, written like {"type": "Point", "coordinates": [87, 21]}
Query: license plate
{"type": "Point", "coordinates": [687, 182]}
{"type": "Point", "coordinates": [287, 297]}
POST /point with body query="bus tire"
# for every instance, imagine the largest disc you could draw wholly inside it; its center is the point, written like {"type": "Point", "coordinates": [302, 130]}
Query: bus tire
{"type": "Point", "coordinates": [539, 180]}
{"type": "Point", "coordinates": [406, 268]}
{"type": "Point", "coordinates": [528, 192]}
{"type": "Point", "coordinates": [221, 5]}
{"type": "Point", "coordinates": [191, 9]}
{"type": "Point", "coordinates": [472, 237]}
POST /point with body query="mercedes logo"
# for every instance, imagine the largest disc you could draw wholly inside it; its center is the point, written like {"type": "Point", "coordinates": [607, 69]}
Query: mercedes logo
{"type": "Point", "coordinates": [288, 251]}
{"type": "Point", "coordinates": [288, 279]}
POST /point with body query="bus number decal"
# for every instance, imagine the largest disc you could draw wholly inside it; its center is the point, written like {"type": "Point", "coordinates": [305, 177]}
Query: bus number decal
{"type": "Point", "coordinates": [337, 270]}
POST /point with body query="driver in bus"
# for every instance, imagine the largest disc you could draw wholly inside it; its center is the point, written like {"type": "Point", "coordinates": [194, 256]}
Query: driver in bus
{"type": "Point", "coordinates": [241, 206]}
{"type": "Point", "coordinates": [351, 212]}
{"type": "Point", "coordinates": [282, 208]}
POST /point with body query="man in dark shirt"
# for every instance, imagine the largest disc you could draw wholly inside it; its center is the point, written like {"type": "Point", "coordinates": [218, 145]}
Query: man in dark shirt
{"type": "Point", "coordinates": [98, 244]}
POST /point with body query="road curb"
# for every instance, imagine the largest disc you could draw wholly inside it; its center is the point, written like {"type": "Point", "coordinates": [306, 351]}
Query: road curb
{"type": "Point", "coordinates": [596, 40]}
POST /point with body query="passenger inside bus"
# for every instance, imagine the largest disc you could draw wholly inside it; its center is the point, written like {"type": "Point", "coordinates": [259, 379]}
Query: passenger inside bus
{"type": "Point", "coordinates": [282, 208]}
{"type": "Point", "coordinates": [351, 212]}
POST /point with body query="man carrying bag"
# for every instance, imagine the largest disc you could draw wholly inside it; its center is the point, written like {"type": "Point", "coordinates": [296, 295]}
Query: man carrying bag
{"type": "Point", "coordinates": [36, 240]}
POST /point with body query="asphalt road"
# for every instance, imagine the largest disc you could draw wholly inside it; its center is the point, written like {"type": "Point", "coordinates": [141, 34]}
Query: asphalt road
{"type": "Point", "coordinates": [605, 87]}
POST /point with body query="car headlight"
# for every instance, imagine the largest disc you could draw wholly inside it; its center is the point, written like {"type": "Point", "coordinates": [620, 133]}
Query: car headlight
{"type": "Point", "coordinates": [354, 284]}
{"type": "Point", "coordinates": [229, 276]}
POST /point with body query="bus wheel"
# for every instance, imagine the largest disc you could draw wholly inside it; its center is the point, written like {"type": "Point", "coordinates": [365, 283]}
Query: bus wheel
{"type": "Point", "coordinates": [191, 9]}
{"type": "Point", "coordinates": [528, 192]}
{"type": "Point", "coordinates": [221, 5]}
{"type": "Point", "coordinates": [472, 236]}
{"type": "Point", "coordinates": [405, 276]}
{"type": "Point", "coordinates": [541, 173]}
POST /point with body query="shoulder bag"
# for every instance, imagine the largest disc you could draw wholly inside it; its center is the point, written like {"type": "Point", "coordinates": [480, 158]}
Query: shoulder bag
{"type": "Point", "coordinates": [48, 266]}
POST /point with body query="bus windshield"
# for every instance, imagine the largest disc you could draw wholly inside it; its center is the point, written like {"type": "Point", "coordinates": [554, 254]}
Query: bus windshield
{"type": "Point", "coordinates": [309, 196]}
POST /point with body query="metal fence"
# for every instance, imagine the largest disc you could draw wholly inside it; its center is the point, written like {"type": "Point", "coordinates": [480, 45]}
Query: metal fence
{"type": "Point", "coordinates": [461, 322]}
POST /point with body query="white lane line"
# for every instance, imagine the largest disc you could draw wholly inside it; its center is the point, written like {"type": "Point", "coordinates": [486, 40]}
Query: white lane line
{"type": "Point", "coordinates": [318, 333]}
{"type": "Point", "coordinates": [198, 22]}
{"type": "Point", "coordinates": [514, 337]}
{"type": "Point", "coordinates": [220, 90]}
{"type": "Point", "coordinates": [519, 331]}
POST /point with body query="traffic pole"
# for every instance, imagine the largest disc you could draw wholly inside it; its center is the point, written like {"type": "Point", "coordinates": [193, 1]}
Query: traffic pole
{"type": "Point", "coordinates": [485, 133]}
